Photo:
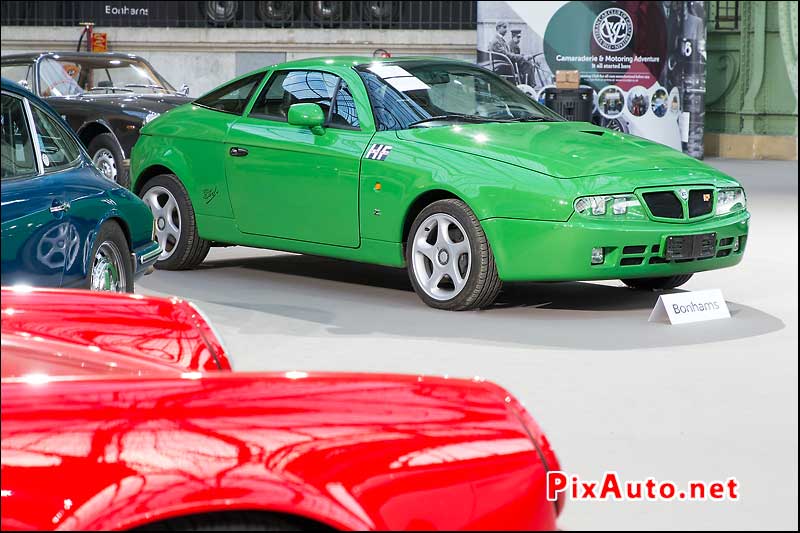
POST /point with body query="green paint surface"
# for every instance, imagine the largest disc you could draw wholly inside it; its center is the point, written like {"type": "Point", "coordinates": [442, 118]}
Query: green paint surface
{"type": "Point", "coordinates": [319, 194]}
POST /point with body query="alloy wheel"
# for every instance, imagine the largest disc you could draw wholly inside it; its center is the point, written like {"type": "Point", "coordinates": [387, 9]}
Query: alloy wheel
{"type": "Point", "coordinates": [104, 160]}
{"type": "Point", "coordinates": [442, 256]}
{"type": "Point", "coordinates": [167, 218]}
{"type": "Point", "coordinates": [108, 271]}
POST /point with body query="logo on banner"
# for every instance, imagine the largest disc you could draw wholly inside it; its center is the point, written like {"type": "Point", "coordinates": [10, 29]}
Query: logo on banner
{"type": "Point", "coordinates": [613, 29]}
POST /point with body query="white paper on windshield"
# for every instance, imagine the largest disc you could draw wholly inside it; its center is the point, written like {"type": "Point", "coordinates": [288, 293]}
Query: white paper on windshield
{"type": "Point", "coordinates": [408, 83]}
{"type": "Point", "coordinates": [389, 71]}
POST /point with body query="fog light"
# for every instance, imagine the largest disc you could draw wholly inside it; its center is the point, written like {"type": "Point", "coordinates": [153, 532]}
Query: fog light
{"type": "Point", "coordinates": [597, 256]}
{"type": "Point", "coordinates": [736, 242]}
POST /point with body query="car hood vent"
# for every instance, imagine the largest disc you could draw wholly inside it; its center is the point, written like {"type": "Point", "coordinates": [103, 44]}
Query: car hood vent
{"type": "Point", "coordinates": [593, 132]}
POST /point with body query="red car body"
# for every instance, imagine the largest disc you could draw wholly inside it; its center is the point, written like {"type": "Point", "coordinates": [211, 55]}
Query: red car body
{"type": "Point", "coordinates": [100, 438]}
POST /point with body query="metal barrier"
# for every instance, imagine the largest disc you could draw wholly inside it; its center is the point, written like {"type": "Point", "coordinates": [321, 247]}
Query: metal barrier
{"type": "Point", "coordinates": [428, 15]}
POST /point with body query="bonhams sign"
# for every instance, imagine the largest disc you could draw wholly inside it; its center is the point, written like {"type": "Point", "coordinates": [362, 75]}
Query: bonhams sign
{"type": "Point", "coordinates": [125, 10]}
{"type": "Point", "coordinates": [644, 61]}
{"type": "Point", "coordinates": [123, 13]}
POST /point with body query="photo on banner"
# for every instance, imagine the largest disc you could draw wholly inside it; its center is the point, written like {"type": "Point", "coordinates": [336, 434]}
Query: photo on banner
{"type": "Point", "coordinates": [644, 61]}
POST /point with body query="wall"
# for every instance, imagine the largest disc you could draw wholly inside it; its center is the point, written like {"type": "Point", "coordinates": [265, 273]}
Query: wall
{"type": "Point", "coordinates": [751, 99]}
{"type": "Point", "coordinates": [206, 57]}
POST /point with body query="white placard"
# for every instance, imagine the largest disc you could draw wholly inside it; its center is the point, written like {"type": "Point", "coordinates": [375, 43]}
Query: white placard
{"type": "Point", "coordinates": [408, 83]}
{"type": "Point", "coordinates": [388, 71]}
{"type": "Point", "coordinates": [686, 307]}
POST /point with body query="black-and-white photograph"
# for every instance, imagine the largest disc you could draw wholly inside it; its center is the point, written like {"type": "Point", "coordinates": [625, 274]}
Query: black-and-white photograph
{"type": "Point", "coordinates": [510, 48]}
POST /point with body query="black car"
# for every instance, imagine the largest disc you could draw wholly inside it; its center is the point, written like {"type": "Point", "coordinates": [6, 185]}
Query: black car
{"type": "Point", "coordinates": [106, 98]}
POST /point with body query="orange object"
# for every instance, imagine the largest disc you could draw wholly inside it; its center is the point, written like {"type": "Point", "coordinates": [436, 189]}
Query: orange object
{"type": "Point", "coordinates": [99, 42]}
{"type": "Point", "coordinates": [378, 186]}
{"type": "Point", "coordinates": [568, 79]}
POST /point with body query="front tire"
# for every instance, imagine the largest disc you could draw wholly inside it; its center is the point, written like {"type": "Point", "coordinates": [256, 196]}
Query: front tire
{"type": "Point", "coordinates": [107, 157]}
{"type": "Point", "coordinates": [176, 225]}
{"type": "Point", "coordinates": [234, 521]}
{"type": "Point", "coordinates": [110, 269]}
{"type": "Point", "coordinates": [657, 284]}
{"type": "Point", "coordinates": [450, 262]}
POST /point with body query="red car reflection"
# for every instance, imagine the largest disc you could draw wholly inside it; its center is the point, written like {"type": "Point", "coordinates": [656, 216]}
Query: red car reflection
{"type": "Point", "coordinates": [100, 430]}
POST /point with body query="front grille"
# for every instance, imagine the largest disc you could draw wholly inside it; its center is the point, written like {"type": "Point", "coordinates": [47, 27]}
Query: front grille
{"type": "Point", "coordinates": [701, 201]}
{"type": "Point", "coordinates": [663, 204]}
{"type": "Point", "coordinates": [628, 250]}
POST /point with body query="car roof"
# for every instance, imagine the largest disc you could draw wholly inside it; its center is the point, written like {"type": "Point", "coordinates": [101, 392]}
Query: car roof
{"type": "Point", "coordinates": [354, 61]}
{"type": "Point", "coordinates": [32, 56]}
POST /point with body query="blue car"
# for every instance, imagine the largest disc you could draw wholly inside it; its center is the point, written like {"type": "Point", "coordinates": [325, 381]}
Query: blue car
{"type": "Point", "coordinates": [63, 223]}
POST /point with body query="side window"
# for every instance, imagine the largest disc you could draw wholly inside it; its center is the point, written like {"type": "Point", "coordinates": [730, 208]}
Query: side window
{"type": "Point", "coordinates": [291, 87]}
{"type": "Point", "coordinates": [344, 108]}
{"type": "Point", "coordinates": [232, 98]}
{"type": "Point", "coordinates": [17, 152]}
{"type": "Point", "coordinates": [392, 111]}
{"type": "Point", "coordinates": [21, 73]}
{"type": "Point", "coordinates": [59, 149]}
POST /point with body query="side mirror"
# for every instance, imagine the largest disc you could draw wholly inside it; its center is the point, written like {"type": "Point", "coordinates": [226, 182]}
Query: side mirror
{"type": "Point", "coordinates": [184, 90]}
{"type": "Point", "coordinates": [310, 115]}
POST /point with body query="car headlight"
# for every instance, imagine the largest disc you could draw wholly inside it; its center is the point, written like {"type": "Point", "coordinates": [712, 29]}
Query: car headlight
{"type": "Point", "coordinates": [152, 115]}
{"type": "Point", "coordinates": [730, 200]}
{"type": "Point", "coordinates": [611, 206]}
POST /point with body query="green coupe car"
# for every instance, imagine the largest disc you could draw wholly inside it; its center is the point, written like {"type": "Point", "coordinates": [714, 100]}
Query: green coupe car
{"type": "Point", "coordinates": [435, 165]}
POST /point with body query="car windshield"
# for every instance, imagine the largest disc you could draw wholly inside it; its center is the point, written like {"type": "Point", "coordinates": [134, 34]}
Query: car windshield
{"type": "Point", "coordinates": [65, 76]}
{"type": "Point", "coordinates": [423, 94]}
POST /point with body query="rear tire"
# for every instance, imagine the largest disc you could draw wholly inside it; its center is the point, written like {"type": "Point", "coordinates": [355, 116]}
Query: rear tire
{"type": "Point", "coordinates": [176, 225]}
{"type": "Point", "coordinates": [657, 284]}
{"type": "Point", "coordinates": [447, 237]}
{"type": "Point", "coordinates": [110, 268]}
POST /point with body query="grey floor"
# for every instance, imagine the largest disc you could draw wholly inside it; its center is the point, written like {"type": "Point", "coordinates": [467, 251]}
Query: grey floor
{"type": "Point", "coordinates": [613, 392]}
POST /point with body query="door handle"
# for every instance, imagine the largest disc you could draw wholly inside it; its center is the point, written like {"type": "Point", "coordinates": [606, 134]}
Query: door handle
{"type": "Point", "coordinates": [238, 152]}
{"type": "Point", "coordinates": [59, 207]}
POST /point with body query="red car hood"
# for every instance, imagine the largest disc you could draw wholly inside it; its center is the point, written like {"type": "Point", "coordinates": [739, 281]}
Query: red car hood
{"type": "Point", "coordinates": [33, 358]}
{"type": "Point", "coordinates": [352, 451]}
{"type": "Point", "coordinates": [97, 328]}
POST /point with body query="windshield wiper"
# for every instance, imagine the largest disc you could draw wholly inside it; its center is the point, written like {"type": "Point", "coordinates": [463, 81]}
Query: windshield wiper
{"type": "Point", "coordinates": [465, 118]}
{"type": "Point", "coordinates": [110, 89]}
{"type": "Point", "coordinates": [145, 86]}
{"type": "Point", "coordinates": [535, 119]}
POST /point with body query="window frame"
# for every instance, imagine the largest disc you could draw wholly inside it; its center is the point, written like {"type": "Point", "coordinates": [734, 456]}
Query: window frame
{"type": "Point", "coordinates": [31, 70]}
{"type": "Point", "coordinates": [250, 96]}
{"type": "Point", "coordinates": [75, 163]}
{"type": "Point", "coordinates": [271, 78]}
{"type": "Point", "coordinates": [32, 133]}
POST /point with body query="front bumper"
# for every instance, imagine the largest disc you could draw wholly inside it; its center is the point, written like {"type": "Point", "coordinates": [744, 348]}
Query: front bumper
{"type": "Point", "coordinates": [144, 258]}
{"type": "Point", "coordinates": [532, 250]}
